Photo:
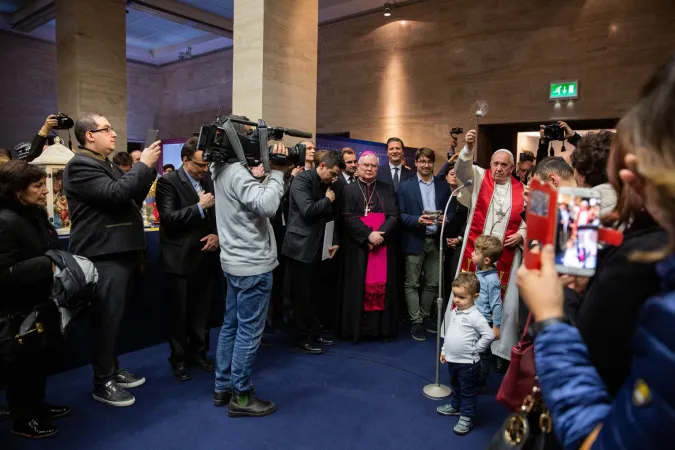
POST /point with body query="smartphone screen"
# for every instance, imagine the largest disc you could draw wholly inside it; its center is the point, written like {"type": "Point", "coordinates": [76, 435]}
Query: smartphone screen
{"type": "Point", "coordinates": [576, 249]}
{"type": "Point", "coordinates": [151, 137]}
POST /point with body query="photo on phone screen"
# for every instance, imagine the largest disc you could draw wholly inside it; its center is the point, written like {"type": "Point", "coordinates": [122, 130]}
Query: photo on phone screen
{"type": "Point", "coordinates": [576, 250]}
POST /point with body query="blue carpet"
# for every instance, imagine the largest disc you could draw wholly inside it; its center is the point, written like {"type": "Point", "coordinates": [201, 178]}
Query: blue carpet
{"type": "Point", "coordinates": [364, 396]}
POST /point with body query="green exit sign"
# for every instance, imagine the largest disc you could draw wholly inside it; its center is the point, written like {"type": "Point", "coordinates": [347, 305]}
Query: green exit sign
{"type": "Point", "coordinates": [563, 90]}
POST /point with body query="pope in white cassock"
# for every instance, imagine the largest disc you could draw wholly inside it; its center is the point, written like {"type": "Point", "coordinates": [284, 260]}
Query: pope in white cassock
{"type": "Point", "coordinates": [495, 209]}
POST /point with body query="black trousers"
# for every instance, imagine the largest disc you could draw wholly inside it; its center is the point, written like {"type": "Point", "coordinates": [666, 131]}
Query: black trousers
{"type": "Point", "coordinates": [113, 291]}
{"type": "Point", "coordinates": [304, 290]}
{"type": "Point", "coordinates": [26, 380]}
{"type": "Point", "coordinates": [191, 298]}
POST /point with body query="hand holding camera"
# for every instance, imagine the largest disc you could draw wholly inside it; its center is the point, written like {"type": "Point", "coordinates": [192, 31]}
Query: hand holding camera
{"type": "Point", "coordinates": [556, 132]}
{"type": "Point", "coordinates": [50, 123]}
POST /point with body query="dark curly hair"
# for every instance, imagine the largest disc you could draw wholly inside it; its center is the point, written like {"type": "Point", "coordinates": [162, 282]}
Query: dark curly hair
{"type": "Point", "coordinates": [16, 175]}
{"type": "Point", "coordinates": [591, 155]}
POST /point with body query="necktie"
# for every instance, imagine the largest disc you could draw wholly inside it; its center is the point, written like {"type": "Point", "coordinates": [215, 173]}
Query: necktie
{"type": "Point", "coordinates": [198, 188]}
{"type": "Point", "coordinates": [395, 178]}
{"type": "Point", "coordinates": [351, 179]}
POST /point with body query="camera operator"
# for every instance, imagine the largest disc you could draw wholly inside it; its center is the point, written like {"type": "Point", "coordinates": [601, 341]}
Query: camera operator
{"type": "Point", "coordinates": [107, 228]}
{"type": "Point", "coordinates": [568, 135]}
{"type": "Point", "coordinates": [248, 256]}
{"type": "Point", "coordinates": [41, 141]}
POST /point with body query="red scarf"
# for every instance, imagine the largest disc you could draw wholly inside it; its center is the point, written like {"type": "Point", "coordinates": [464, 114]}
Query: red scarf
{"type": "Point", "coordinates": [487, 189]}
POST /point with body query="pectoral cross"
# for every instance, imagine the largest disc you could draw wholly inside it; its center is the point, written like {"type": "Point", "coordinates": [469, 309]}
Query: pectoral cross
{"type": "Point", "coordinates": [367, 210]}
{"type": "Point", "coordinates": [500, 214]}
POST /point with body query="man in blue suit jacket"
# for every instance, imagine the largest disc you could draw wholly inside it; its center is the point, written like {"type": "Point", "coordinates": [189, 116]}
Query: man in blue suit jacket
{"type": "Point", "coordinates": [420, 234]}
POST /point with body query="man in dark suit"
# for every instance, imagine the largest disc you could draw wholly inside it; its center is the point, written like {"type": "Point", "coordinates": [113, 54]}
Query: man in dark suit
{"type": "Point", "coordinates": [394, 172]}
{"type": "Point", "coordinates": [420, 236]}
{"type": "Point", "coordinates": [107, 227]}
{"type": "Point", "coordinates": [311, 207]}
{"type": "Point", "coordinates": [188, 254]}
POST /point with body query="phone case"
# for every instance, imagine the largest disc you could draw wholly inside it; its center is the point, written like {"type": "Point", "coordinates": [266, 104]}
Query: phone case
{"type": "Point", "coordinates": [541, 221]}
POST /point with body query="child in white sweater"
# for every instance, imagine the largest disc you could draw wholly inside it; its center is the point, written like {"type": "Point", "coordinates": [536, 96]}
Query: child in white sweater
{"type": "Point", "coordinates": [467, 334]}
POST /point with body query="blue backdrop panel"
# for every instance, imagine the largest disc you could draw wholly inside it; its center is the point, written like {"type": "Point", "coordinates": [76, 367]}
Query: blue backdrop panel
{"type": "Point", "coordinates": [337, 143]}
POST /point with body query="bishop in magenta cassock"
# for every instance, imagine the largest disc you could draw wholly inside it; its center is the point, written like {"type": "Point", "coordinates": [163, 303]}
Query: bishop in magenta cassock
{"type": "Point", "coordinates": [369, 217]}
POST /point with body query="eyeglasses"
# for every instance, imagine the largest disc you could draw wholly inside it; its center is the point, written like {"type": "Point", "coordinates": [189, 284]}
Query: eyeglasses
{"type": "Point", "coordinates": [423, 162]}
{"type": "Point", "coordinates": [106, 129]}
{"type": "Point", "coordinates": [200, 165]}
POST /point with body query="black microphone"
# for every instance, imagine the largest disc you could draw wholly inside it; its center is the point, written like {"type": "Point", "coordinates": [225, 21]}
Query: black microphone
{"type": "Point", "coordinates": [298, 133]}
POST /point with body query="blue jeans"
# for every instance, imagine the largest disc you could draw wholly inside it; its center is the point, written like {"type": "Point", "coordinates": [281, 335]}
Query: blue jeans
{"type": "Point", "coordinates": [464, 383]}
{"type": "Point", "coordinates": [245, 311]}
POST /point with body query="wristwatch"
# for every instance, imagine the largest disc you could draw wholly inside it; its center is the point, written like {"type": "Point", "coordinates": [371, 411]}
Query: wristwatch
{"type": "Point", "coordinates": [537, 327]}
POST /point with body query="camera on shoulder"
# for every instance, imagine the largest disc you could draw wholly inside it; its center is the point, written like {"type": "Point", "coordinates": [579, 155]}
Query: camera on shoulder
{"type": "Point", "coordinates": [222, 143]}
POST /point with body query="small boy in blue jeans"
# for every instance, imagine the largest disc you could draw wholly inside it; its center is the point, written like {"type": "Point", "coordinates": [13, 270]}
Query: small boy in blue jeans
{"type": "Point", "coordinates": [467, 335]}
{"type": "Point", "coordinates": [486, 252]}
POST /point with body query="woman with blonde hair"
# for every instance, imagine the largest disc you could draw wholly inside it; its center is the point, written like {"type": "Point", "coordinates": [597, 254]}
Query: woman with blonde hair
{"type": "Point", "coordinates": [641, 415]}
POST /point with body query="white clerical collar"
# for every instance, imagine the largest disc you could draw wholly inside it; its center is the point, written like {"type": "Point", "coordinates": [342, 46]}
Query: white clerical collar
{"type": "Point", "coordinates": [367, 184]}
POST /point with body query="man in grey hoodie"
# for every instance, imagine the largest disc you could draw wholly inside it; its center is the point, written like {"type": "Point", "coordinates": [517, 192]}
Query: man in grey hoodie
{"type": "Point", "coordinates": [248, 255]}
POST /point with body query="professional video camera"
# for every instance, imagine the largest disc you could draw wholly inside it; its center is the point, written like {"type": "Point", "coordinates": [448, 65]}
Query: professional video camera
{"type": "Point", "coordinates": [65, 122]}
{"type": "Point", "coordinates": [221, 143]}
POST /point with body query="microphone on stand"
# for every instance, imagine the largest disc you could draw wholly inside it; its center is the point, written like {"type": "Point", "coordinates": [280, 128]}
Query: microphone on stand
{"type": "Point", "coordinates": [437, 390]}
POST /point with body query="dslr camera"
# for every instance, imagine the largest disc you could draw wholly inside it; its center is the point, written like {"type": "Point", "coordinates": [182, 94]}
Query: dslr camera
{"type": "Point", "coordinates": [456, 131]}
{"type": "Point", "coordinates": [65, 122]}
{"type": "Point", "coordinates": [554, 132]}
{"type": "Point", "coordinates": [221, 143]}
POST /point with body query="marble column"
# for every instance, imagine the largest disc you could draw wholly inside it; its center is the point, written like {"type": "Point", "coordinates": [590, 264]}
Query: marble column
{"type": "Point", "coordinates": [275, 58]}
{"type": "Point", "coordinates": [91, 61]}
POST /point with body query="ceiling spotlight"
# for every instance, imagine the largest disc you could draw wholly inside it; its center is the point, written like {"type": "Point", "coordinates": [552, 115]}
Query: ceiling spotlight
{"type": "Point", "coordinates": [387, 9]}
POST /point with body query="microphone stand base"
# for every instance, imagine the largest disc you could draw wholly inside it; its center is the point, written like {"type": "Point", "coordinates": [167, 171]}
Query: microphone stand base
{"type": "Point", "coordinates": [437, 391]}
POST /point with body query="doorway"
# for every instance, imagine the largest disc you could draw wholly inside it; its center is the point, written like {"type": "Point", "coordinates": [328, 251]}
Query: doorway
{"type": "Point", "coordinates": [492, 137]}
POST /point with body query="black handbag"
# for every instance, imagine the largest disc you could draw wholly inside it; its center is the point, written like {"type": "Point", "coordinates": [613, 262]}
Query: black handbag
{"type": "Point", "coordinates": [30, 331]}
{"type": "Point", "coordinates": [527, 429]}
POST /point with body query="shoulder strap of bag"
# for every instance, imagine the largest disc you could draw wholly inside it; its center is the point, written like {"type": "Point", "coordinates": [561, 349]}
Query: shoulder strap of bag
{"type": "Point", "coordinates": [527, 326]}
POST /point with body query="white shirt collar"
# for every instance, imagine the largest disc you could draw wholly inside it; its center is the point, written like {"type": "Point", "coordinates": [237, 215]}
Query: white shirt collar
{"type": "Point", "coordinates": [419, 178]}
{"type": "Point", "coordinates": [392, 166]}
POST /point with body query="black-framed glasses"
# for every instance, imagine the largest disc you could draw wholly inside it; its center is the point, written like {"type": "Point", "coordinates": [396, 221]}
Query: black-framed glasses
{"type": "Point", "coordinates": [106, 129]}
{"type": "Point", "coordinates": [200, 165]}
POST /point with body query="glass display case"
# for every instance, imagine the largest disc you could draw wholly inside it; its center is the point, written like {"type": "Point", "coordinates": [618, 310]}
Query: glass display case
{"type": "Point", "coordinates": [53, 160]}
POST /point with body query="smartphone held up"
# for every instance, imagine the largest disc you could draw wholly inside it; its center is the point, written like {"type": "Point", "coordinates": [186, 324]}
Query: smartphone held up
{"type": "Point", "coordinates": [569, 219]}
{"type": "Point", "coordinates": [577, 231]}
